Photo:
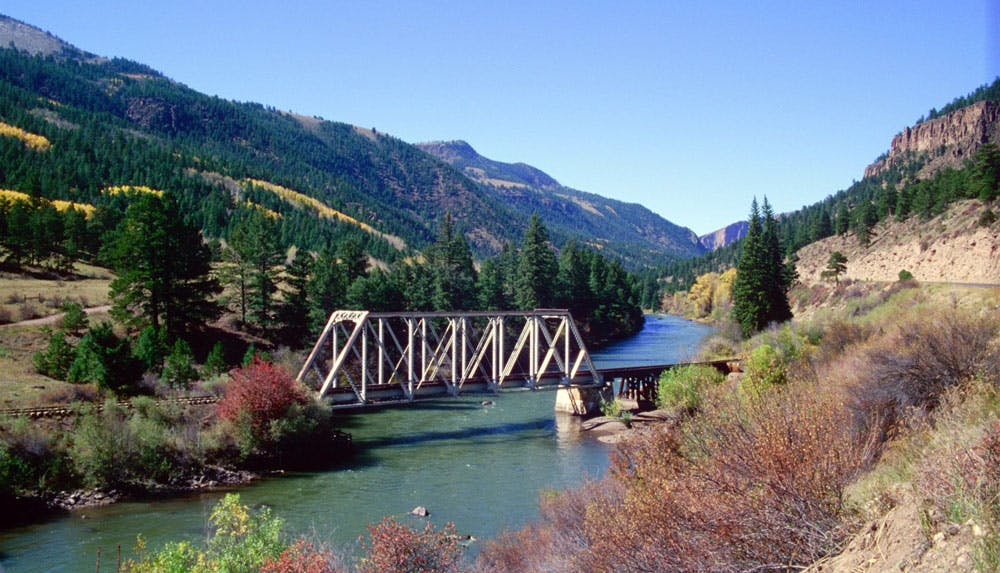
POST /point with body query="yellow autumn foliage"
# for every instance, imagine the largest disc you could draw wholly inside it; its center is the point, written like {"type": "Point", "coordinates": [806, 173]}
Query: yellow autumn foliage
{"type": "Point", "coordinates": [711, 292]}
{"type": "Point", "coordinates": [296, 198]}
{"type": "Point", "coordinates": [59, 204]}
{"type": "Point", "coordinates": [263, 210]}
{"type": "Point", "coordinates": [127, 189]}
{"type": "Point", "coordinates": [34, 141]}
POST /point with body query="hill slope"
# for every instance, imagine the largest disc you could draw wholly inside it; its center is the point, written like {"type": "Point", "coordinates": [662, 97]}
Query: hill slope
{"type": "Point", "coordinates": [951, 247]}
{"type": "Point", "coordinates": [326, 181]}
{"type": "Point", "coordinates": [626, 230]}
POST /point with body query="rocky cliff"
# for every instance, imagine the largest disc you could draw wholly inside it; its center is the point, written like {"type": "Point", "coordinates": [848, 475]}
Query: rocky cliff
{"type": "Point", "coordinates": [724, 236]}
{"type": "Point", "coordinates": [946, 141]}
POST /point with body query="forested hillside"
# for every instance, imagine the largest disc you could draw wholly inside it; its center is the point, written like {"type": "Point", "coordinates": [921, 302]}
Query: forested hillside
{"type": "Point", "coordinates": [114, 122]}
{"type": "Point", "coordinates": [627, 231]}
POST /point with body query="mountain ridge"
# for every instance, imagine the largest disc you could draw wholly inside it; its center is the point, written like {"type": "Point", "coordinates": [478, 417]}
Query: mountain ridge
{"type": "Point", "coordinates": [614, 225]}
{"type": "Point", "coordinates": [371, 177]}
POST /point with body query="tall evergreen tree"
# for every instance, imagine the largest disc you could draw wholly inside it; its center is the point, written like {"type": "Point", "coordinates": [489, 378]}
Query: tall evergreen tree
{"type": "Point", "coordinates": [778, 275]}
{"type": "Point", "coordinates": [760, 290]}
{"type": "Point", "coordinates": [986, 171]}
{"type": "Point", "coordinates": [294, 309]}
{"type": "Point", "coordinates": [454, 276]}
{"type": "Point", "coordinates": [326, 289]}
{"type": "Point", "coordinates": [255, 243]}
{"type": "Point", "coordinates": [534, 285]}
{"type": "Point", "coordinates": [162, 266]}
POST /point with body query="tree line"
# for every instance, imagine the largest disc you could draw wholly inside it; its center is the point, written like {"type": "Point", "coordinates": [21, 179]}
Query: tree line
{"type": "Point", "coordinates": [896, 194]}
{"type": "Point", "coordinates": [170, 283]}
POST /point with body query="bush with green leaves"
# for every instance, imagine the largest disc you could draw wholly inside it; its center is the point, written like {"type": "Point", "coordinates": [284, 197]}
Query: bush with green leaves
{"type": "Point", "coordinates": [105, 360]}
{"type": "Point", "coordinates": [905, 275]}
{"type": "Point", "coordinates": [215, 362]}
{"type": "Point", "coordinates": [151, 348]}
{"type": "Point", "coordinates": [117, 446]}
{"type": "Point", "coordinates": [987, 218]}
{"type": "Point", "coordinates": [762, 370]}
{"type": "Point", "coordinates": [30, 459]}
{"type": "Point", "coordinates": [74, 318]}
{"type": "Point", "coordinates": [179, 369]}
{"type": "Point", "coordinates": [682, 387]}
{"type": "Point", "coordinates": [241, 540]}
{"type": "Point", "coordinates": [57, 357]}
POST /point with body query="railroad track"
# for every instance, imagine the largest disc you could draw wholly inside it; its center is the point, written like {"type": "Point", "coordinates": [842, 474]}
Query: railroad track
{"type": "Point", "coordinates": [64, 411]}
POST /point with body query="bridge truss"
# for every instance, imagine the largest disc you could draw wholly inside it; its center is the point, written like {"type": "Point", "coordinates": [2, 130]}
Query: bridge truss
{"type": "Point", "coordinates": [364, 358]}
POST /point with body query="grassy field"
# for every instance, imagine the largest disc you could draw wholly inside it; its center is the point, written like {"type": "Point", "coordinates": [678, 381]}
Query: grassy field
{"type": "Point", "coordinates": [24, 297]}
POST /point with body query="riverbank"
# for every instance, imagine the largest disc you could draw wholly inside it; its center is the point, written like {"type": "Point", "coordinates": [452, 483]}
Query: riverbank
{"type": "Point", "coordinates": [481, 467]}
{"type": "Point", "coordinates": [883, 400]}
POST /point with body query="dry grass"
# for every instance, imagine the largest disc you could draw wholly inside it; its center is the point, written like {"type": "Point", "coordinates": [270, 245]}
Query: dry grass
{"type": "Point", "coordinates": [24, 297]}
{"type": "Point", "coordinates": [900, 379]}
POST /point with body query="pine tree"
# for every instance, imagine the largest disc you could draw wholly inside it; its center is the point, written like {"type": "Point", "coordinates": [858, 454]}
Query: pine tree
{"type": "Point", "coordinates": [162, 266]}
{"type": "Point", "coordinates": [534, 285]}
{"type": "Point", "coordinates": [255, 244]}
{"type": "Point", "coordinates": [779, 277]}
{"type": "Point", "coordinates": [453, 275]}
{"type": "Point", "coordinates": [294, 310]}
{"type": "Point", "coordinates": [760, 290]}
{"type": "Point", "coordinates": [326, 289]}
{"type": "Point", "coordinates": [986, 171]}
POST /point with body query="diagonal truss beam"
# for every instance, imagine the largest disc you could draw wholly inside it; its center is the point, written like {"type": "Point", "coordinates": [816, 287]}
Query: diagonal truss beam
{"type": "Point", "coordinates": [361, 352]}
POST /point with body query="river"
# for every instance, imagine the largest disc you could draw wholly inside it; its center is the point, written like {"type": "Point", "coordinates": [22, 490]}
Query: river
{"type": "Point", "coordinates": [480, 467]}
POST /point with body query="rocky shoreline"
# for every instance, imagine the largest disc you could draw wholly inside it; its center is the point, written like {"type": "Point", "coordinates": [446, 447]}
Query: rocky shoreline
{"type": "Point", "coordinates": [211, 477]}
{"type": "Point", "coordinates": [37, 506]}
{"type": "Point", "coordinates": [611, 430]}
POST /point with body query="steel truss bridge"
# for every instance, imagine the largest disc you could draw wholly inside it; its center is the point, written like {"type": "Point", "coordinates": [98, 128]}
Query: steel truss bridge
{"type": "Point", "coordinates": [367, 358]}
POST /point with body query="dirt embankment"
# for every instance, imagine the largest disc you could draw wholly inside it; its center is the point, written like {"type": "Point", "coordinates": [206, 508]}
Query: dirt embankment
{"type": "Point", "coordinates": [950, 248]}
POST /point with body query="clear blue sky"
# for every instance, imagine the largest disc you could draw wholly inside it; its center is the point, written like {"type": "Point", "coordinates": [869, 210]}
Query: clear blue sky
{"type": "Point", "coordinates": [690, 108]}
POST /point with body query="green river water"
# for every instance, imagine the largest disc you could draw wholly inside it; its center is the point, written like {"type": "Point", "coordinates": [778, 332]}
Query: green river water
{"type": "Point", "coordinates": [480, 467]}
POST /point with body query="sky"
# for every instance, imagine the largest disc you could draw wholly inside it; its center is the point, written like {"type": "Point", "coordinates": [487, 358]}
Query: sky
{"type": "Point", "coordinates": [689, 108]}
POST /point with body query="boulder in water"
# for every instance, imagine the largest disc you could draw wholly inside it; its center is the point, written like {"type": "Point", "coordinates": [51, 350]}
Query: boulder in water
{"type": "Point", "coordinates": [420, 511]}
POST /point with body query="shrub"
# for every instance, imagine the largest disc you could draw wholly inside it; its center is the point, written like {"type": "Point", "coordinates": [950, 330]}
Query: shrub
{"type": "Point", "coordinates": [905, 275]}
{"type": "Point", "coordinates": [612, 408]}
{"type": "Point", "coordinates": [302, 557]}
{"type": "Point", "coordinates": [150, 348]}
{"type": "Point", "coordinates": [912, 368]}
{"type": "Point", "coordinates": [393, 547]}
{"type": "Point", "coordinates": [117, 447]}
{"type": "Point", "coordinates": [106, 360]}
{"type": "Point", "coordinates": [74, 319]}
{"type": "Point", "coordinates": [743, 488]}
{"type": "Point", "coordinates": [987, 218]}
{"type": "Point", "coordinates": [215, 362]}
{"type": "Point", "coordinates": [57, 357]}
{"type": "Point", "coordinates": [179, 369]}
{"type": "Point", "coordinates": [682, 387]}
{"type": "Point", "coordinates": [241, 541]}
{"type": "Point", "coordinates": [256, 397]}
{"type": "Point", "coordinates": [762, 370]}
{"type": "Point", "coordinates": [29, 458]}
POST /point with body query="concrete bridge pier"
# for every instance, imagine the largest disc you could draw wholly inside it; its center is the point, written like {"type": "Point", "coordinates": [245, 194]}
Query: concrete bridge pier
{"type": "Point", "coordinates": [583, 400]}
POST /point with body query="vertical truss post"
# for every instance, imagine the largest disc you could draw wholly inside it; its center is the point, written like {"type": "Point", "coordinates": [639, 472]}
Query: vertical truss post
{"type": "Point", "coordinates": [381, 351]}
{"type": "Point", "coordinates": [410, 341]}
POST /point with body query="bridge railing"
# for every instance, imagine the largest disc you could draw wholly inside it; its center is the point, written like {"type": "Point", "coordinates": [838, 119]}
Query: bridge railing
{"type": "Point", "coordinates": [366, 356]}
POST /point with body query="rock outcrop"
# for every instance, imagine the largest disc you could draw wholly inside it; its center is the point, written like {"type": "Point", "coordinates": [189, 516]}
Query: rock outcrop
{"type": "Point", "coordinates": [724, 236]}
{"type": "Point", "coordinates": [945, 141]}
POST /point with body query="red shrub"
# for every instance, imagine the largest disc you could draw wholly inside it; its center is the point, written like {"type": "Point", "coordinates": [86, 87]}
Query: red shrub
{"type": "Point", "coordinates": [396, 548]}
{"type": "Point", "coordinates": [302, 557]}
{"type": "Point", "coordinates": [261, 392]}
